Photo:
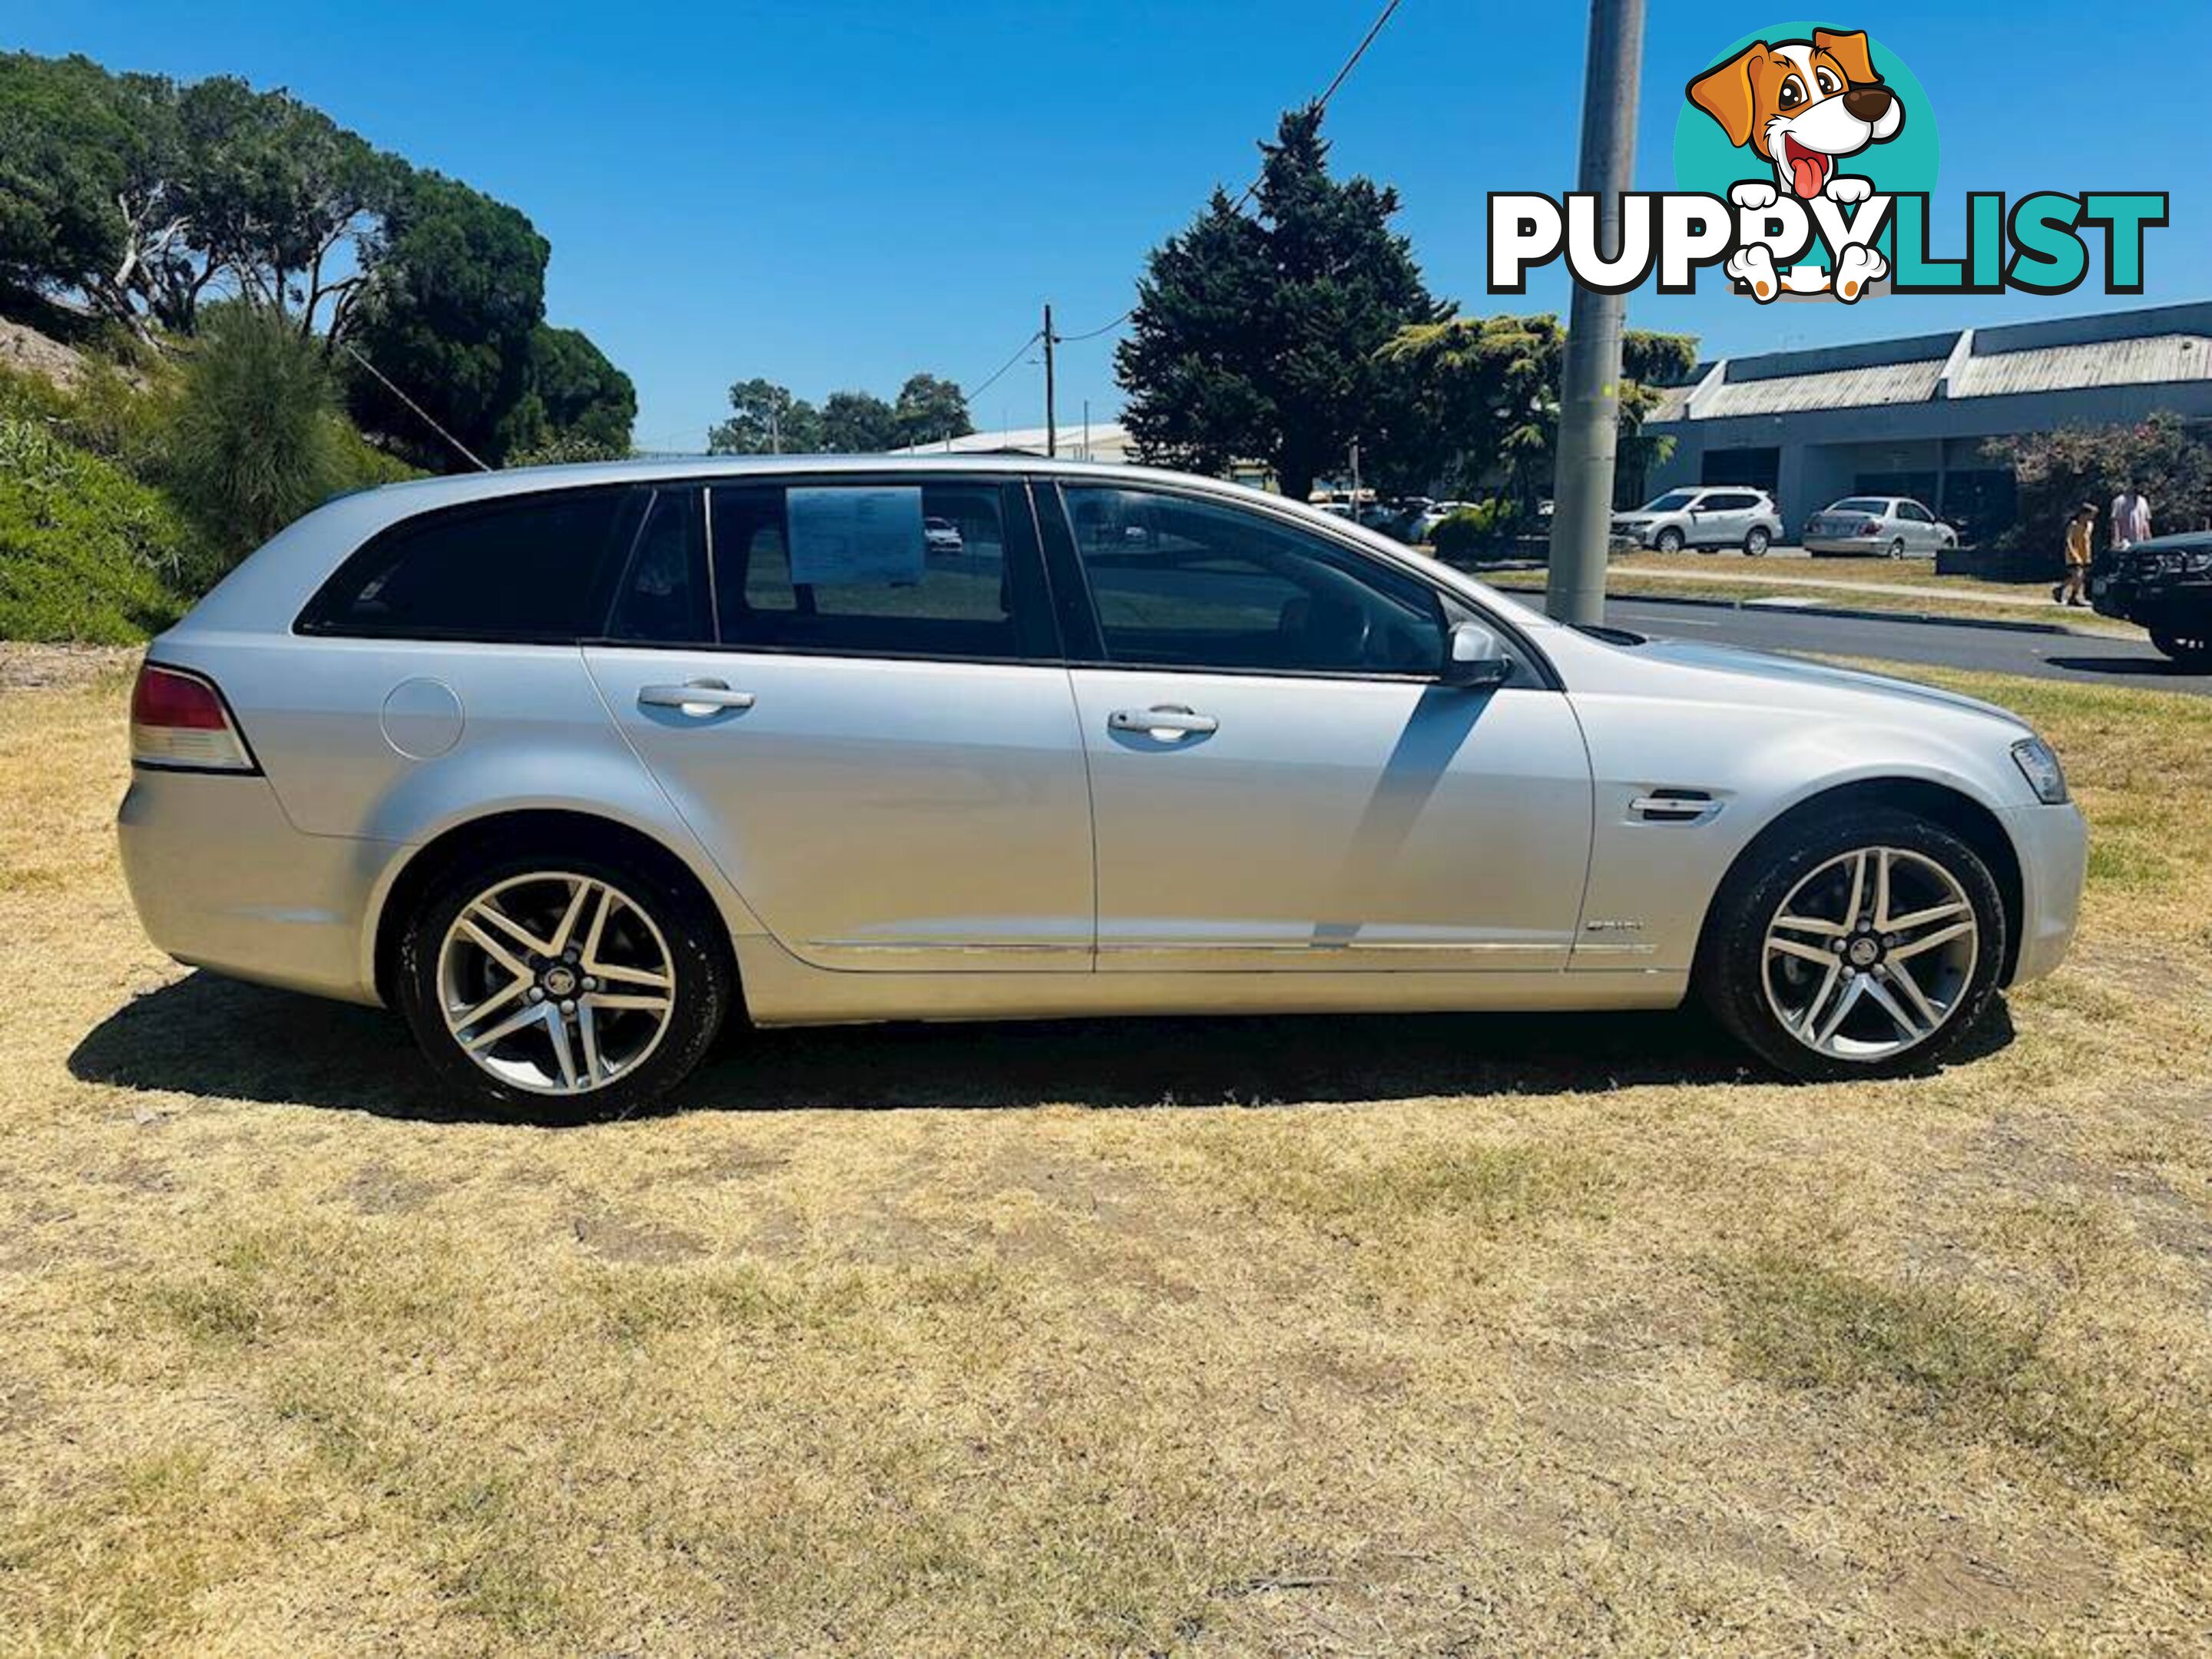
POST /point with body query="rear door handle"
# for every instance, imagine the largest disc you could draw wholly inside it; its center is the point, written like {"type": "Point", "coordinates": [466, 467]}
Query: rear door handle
{"type": "Point", "coordinates": [698, 698]}
{"type": "Point", "coordinates": [1166, 721]}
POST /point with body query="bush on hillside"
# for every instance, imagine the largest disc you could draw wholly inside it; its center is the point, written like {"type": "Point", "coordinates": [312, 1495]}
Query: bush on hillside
{"type": "Point", "coordinates": [256, 441]}
{"type": "Point", "coordinates": [86, 552]}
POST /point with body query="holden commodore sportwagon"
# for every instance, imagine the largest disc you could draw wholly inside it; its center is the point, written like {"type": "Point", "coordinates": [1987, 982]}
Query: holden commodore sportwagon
{"type": "Point", "coordinates": [572, 766]}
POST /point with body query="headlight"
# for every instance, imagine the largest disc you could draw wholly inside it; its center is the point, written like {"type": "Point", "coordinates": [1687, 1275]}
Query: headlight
{"type": "Point", "coordinates": [2197, 562]}
{"type": "Point", "coordinates": [2041, 770]}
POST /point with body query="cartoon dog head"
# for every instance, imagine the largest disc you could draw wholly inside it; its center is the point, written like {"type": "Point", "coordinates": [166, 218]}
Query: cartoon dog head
{"type": "Point", "coordinates": [1801, 105]}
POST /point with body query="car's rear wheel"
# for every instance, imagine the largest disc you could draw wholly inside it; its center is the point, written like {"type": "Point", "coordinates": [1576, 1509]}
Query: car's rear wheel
{"type": "Point", "coordinates": [1866, 945]}
{"type": "Point", "coordinates": [562, 986]}
{"type": "Point", "coordinates": [2190, 651]}
{"type": "Point", "coordinates": [1897, 548]}
{"type": "Point", "coordinates": [1755, 542]}
{"type": "Point", "coordinates": [1668, 540]}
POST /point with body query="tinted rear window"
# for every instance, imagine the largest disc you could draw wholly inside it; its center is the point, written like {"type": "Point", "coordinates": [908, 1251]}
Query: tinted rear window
{"type": "Point", "coordinates": [1862, 504]}
{"type": "Point", "coordinates": [945, 570]}
{"type": "Point", "coordinates": [525, 569]}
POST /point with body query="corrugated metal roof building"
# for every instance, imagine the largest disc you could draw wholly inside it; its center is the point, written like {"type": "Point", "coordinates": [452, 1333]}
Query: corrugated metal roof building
{"type": "Point", "coordinates": [1912, 417]}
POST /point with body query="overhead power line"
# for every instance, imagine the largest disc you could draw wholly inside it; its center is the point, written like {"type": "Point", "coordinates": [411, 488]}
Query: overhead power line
{"type": "Point", "coordinates": [467, 453]}
{"type": "Point", "coordinates": [1343, 74]}
{"type": "Point", "coordinates": [992, 377]}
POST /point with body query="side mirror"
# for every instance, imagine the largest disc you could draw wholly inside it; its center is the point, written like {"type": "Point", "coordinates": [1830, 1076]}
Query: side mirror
{"type": "Point", "coordinates": [1474, 658]}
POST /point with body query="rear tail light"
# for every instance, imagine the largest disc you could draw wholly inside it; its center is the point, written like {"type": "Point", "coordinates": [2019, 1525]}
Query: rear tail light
{"type": "Point", "coordinates": [1871, 527]}
{"type": "Point", "coordinates": [178, 718]}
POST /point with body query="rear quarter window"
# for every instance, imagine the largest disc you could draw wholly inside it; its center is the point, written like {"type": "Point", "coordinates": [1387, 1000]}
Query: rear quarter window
{"type": "Point", "coordinates": [528, 569]}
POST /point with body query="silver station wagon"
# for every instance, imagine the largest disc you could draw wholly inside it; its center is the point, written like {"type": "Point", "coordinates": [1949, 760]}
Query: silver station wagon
{"type": "Point", "coordinates": [571, 766]}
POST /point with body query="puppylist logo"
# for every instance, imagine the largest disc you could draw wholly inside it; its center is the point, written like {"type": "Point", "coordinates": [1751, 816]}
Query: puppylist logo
{"type": "Point", "coordinates": [1805, 158]}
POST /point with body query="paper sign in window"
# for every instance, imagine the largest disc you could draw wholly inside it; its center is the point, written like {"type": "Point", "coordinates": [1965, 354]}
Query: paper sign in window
{"type": "Point", "coordinates": [856, 536]}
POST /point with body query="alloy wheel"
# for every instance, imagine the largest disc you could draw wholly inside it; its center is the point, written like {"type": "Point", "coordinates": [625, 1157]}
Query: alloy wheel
{"type": "Point", "coordinates": [1870, 954]}
{"type": "Point", "coordinates": [555, 983]}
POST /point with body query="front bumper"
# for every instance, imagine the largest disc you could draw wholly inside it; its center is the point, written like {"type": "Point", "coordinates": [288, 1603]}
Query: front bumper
{"type": "Point", "coordinates": [2167, 604]}
{"type": "Point", "coordinates": [2052, 844]}
{"type": "Point", "coordinates": [221, 880]}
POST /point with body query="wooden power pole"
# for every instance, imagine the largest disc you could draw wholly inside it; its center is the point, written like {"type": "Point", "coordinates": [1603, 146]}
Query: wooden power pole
{"type": "Point", "coordinates": [1051, 425]}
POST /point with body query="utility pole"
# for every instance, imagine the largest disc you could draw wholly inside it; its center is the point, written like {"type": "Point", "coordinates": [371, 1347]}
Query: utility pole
{"type": "Point", "coordinates": [1589, 404]}
{"type": "Point", "coordinates": [1051, 426]}
{"type": "Point", "coordinates": [1355, 481]}
{"type": "Point", "coordinates": [775, 432]}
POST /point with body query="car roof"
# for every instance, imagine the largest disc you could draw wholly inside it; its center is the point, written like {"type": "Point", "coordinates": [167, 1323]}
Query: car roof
{"type": "Point", "coordinates": [269, 587]}
{"type": "Point", "coordinates": [522, 480]}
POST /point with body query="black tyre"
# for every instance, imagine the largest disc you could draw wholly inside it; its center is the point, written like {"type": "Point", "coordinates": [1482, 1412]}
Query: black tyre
{"type": "Point", "coordinates": [1668, 540]}
{"type": "Point", "coordinates": [2191, 652]}
{"type": "Point", "coordinates": [1755, 543]}
{"type": "Point", "coordinates": [562, 986]}
{"type": "Point", "coordinates": [1897, 549]}
{"type": "Point", "coordinates": [1864, 945]}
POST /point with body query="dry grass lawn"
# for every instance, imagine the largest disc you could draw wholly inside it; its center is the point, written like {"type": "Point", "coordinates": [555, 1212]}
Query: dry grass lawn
{"type": "Point", "coordinates": [1374, 1336]}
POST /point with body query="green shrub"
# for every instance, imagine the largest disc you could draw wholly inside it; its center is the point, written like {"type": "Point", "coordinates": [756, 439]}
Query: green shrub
{"type": "Point", "coordinates": [126, 417]}
{"type": "Point", "coordinates": [86, 551]}
{"type": "Point", "coordinates": [567, 448]}
{"type": "Point", "coordinates": [362, 465]}
{"type": "Point", "coordinates": [257, 440]}
{"type": "Point", "coordinates": [1473, 531]}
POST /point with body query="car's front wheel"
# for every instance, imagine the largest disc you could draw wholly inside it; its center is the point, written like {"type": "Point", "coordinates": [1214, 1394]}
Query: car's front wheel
{"type": "Point", "coordinates": [2192, 652]}
{"type": "Point", "coordinates": [1865, 946]}
{"type": "Point", "coordinates": [562, 986]}
{"type": "Point", "coordinates": [1668, 540]}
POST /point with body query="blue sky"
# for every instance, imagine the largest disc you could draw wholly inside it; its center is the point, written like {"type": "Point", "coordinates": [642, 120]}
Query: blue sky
{"type": "Point", "coordinates": [835, 194]}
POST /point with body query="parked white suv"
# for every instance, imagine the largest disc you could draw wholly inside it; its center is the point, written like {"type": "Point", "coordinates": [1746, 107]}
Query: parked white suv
{"type": "Point", "coordinates": [1721, 516]}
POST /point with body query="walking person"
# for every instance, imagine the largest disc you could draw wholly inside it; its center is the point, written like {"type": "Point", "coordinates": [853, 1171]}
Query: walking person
{"type": "Point", "coordinates": [2074, 588]}
{"type": "Point", "coordinates": [2130, 517]}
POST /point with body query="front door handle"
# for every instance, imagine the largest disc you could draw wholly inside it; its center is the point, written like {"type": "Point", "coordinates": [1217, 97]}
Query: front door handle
{"type": "Point", "coordinates": [698, 698]}
{"type": "Point", "coordinates": [1163, 721]}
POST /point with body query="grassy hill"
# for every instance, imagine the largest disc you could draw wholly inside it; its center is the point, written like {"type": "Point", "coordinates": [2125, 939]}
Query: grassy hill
{"type": "Point", "coordinates": [102, 538]}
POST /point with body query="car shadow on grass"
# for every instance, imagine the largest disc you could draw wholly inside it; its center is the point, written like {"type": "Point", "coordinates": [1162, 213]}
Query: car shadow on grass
{"type": "Point", "coordinates": [203, 1035]}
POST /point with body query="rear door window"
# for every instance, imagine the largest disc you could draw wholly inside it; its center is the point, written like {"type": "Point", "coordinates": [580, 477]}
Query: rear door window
{"type": "Point", "coordinates": [529, 570]}
{"type": "Point", "coordinates": [861, 568]}
{"type": "Point", "coordinates": [662, 598]}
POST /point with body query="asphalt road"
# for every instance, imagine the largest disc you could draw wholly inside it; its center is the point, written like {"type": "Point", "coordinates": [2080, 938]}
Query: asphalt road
{"type": "Point", "coordinates": [2000, 650]}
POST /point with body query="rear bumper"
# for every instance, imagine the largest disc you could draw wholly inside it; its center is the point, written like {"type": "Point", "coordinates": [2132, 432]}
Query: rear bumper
{"type": "Point", "coordinates": [1864, 547]}
{"type": "Point", "coordinates": [221, 880]}
{"type": "Point", "coordinates": [2052, 843]}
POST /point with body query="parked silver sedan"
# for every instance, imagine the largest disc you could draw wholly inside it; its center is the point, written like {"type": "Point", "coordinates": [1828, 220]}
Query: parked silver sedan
{"type": "Point", "coordinates": [572, 765]}
{"type": "Point", "coordinates": [1878, 527]}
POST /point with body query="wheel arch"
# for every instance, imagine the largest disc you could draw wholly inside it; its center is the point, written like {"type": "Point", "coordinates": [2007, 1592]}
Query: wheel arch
{"type": "Point", "coordinates": [1953, 809]}
{"type": "Point", "coordinates": [561, 829]}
